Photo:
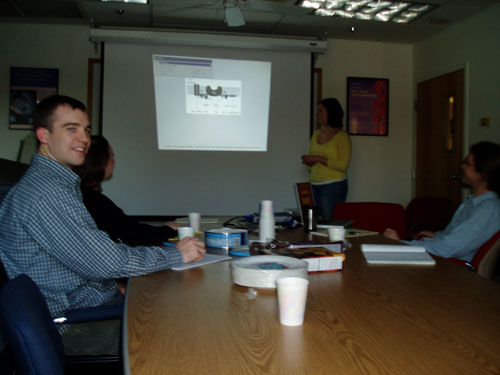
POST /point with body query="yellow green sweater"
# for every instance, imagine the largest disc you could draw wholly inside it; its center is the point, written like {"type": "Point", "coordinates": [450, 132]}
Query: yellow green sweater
{"type": "Point", "coordinates": [338, 152]}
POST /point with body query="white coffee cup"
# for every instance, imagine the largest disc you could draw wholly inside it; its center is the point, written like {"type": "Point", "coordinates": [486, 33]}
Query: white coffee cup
{"type": "Point", "coordinates": [194, 220]}
{"type": "Point", "coordinates": [185, 232]}
{"type": "Point", "coordinates": [336, 233]}
{"type": "Point", "coordinates": [292, 295]}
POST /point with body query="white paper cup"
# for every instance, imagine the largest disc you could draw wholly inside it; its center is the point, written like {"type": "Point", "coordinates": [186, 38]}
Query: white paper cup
{"type": "Point", "coordinates": [292, 295]}
{"type": "Point", "coordinates": [336, 233]}
{"type": "Point", "coordinates": [194, 220]}
{"type": "Point", "coordinates": [185, 232]}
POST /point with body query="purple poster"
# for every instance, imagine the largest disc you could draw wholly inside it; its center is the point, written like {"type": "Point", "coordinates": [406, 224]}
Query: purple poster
{"type": "Point", "coordinates": [367, 106]}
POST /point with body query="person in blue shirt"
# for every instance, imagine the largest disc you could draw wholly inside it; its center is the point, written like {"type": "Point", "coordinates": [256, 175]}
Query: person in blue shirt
{"type": "Point", "coordinates": [478, 218]}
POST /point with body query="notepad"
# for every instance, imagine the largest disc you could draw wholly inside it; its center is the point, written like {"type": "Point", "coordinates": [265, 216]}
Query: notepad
{"type": "Point", "coordinates": [396, 254]}
{"type": "Point", "coordinates": [207, 259]}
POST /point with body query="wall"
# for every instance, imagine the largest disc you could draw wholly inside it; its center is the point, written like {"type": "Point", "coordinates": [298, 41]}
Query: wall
{"type": "Point", "coordinates": [41, 46]}
{"type": "Point", "coordinates": [380, 167]}
{"type": "Point", "coordinates": [474, 45]}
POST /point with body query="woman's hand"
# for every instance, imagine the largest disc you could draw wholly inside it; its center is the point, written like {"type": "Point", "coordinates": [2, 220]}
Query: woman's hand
{"type": "Point", "coordinates": [311, 159]}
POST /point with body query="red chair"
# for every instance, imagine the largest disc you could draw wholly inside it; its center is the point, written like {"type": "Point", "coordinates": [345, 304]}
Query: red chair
{"type": "Point", "coordinates": [373, 216]}
{"type": "Point", "coordinates": [427, 213]}
{"type": "Point", "coordinates": [485, 260]}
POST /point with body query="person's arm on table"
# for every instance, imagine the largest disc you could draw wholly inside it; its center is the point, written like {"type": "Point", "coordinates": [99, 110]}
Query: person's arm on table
{"type": "Point", "coordinates": [89, 252]}
{"type": "Point", "coordinates": [111, 219]}
{"type": "Point", "coordinates": [462, 240]}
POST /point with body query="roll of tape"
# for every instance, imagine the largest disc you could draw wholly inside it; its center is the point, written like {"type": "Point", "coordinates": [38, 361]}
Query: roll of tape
{"type": "Point", "coordinates": [225, 238]}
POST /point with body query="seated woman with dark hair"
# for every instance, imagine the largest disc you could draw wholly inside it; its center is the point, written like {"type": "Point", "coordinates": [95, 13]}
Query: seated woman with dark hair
{"type": "Point", "coordinates": [98, 166]}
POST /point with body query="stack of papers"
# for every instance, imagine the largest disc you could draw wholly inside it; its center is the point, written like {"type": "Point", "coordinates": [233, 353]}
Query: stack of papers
{"type": "Point", "coordinates": [396, 254]}
{"type": "Point", "coordinates": [207, 259]}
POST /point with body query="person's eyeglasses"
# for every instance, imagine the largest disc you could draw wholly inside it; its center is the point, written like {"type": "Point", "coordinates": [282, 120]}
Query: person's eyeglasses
{"type": "Point", "coordinates": [466, 162]}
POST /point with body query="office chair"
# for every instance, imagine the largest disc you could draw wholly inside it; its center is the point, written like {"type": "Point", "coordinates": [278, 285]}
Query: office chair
{"type": "Point", "coordinates": [110, 362]}
{"type": "Point", "coordinates": [427, 213]}
{"type": "Point", "coordinates": [6, 360]}
{"type": "Point", "coordinates": [373, 216]}
{"type": "Point", "coordinates": [486, 258]}
{"type": "Point", "coordinates": [33, 337]}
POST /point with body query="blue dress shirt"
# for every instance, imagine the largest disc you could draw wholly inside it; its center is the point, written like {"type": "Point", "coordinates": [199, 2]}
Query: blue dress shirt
{"type": "Point", "coordinates": [47, 233]}
{"type": "Point", "coordinates": [474, 223]}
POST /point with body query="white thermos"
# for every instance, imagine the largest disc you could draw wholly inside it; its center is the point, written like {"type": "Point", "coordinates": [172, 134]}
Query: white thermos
{"type": "Point", "coordinates": [266, 221]}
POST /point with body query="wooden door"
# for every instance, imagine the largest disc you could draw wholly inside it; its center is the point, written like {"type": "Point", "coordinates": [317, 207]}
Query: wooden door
{"type": "Point", "coordinates": [440, 103]}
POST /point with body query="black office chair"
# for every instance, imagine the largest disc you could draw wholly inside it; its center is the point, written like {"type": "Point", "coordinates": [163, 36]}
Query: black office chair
{"type": "Point", "coordinates": [6, 359]}
{"type": "Point", "coordinates": [33, 337]}
{"type": "Point", "coordinates": [84, 363]}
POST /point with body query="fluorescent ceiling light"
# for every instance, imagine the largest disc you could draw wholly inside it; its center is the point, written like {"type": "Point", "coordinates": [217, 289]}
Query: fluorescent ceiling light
{"type": "Point", "coordinates": [395, 11]}
{"type": "Point", "coordinates": [126, 1]}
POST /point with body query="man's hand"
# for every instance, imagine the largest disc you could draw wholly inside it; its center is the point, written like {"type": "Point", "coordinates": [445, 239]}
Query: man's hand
{"type": "Point", "coordinates": [424, 234]}
{"type": "Point", "coordinates": [392, 234]}
{"type": "Point", "coordinates": [192, 249]}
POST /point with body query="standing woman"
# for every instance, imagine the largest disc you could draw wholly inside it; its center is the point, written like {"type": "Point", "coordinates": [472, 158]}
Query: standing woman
{"type": "Point", "coordinates": [328, 158]}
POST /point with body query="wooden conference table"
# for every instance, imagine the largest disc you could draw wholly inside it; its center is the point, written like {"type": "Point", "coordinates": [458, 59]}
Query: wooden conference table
{"type": "Point", "coordinates": [366, 319]}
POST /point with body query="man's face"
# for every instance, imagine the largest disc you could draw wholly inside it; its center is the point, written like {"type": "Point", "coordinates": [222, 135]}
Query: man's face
{"type": "Point", "coordinates": [69, 138]}
{"type": "Point", "coordinates": [470, 176]}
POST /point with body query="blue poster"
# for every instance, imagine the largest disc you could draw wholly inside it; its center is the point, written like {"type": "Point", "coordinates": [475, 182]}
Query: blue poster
{"type": "Point", "coordinates": [27, 87]}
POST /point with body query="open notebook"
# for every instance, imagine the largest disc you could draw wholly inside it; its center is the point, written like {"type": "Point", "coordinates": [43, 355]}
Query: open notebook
{"type": "Point", "coordinates": [396, 254]}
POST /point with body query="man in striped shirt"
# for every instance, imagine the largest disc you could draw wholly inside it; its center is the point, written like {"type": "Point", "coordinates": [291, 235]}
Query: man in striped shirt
{"type": "Point", "coordinates": [47, 233]}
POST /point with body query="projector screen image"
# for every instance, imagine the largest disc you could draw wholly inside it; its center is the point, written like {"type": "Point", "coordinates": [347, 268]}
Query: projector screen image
{"type": "Point", "coordinates": [211, 104]}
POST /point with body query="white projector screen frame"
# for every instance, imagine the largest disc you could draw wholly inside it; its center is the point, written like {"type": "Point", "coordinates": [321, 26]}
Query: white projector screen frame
{"type": "Point", "coordinates": [148, 181]}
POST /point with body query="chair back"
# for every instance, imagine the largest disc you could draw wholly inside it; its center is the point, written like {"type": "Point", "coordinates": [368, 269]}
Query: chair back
{"type": "Point", "coordinates": [373, 216]}
{"type": "Point", "coordinates": [487, 256]}
{"type": "Point", "coordinates": [6, 359]}
{"type": "Point", "coordinates": [33, 337]}
{"type": "Point", "coordinates": [427, 213]}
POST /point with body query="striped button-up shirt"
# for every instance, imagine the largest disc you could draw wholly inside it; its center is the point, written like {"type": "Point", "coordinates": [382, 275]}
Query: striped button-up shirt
{"type": "Point", "coordinates": [47, 233]}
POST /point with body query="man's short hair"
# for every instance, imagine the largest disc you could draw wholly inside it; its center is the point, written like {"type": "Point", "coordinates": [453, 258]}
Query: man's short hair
{"type": "Point", "coordinates": [487, 162]}
{"type": "Point", "coordinates": [42, 116]}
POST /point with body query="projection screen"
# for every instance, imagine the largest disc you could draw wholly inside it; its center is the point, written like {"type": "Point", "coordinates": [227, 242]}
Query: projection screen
{"type": "Point", "coordinates": [153, 181]}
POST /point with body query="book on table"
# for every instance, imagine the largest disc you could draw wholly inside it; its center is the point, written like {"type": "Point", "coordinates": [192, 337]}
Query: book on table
{"type": "Point", "coordinates": [320, 257]}
{"type": "Point", "coordinates": [396, 254]}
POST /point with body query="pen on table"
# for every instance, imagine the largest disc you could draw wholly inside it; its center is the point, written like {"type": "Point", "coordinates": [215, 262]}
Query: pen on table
{"type": "Point", "coordinates": [319, 234]}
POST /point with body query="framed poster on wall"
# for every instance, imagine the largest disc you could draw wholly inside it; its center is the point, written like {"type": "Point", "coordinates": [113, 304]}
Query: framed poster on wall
{"type": "Point", "coordinates": [27, 87]}
{"type": "Point", "coordinates": [367, 106]}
